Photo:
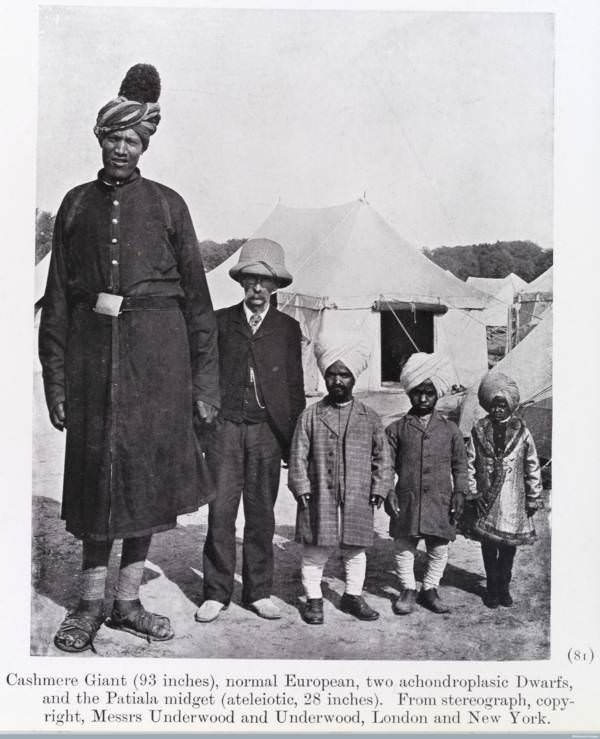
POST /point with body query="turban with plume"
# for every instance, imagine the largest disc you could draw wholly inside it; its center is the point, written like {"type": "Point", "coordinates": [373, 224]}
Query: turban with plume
{"type": "Point", "coordinates": [135, 107]}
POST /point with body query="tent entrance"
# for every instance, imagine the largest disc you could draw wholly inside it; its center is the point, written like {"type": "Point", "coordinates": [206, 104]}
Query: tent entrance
{"type": "Point", "coordinates": [396, 347]}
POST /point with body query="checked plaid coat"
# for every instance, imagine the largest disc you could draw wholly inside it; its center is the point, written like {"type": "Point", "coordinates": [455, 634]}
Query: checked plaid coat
{"type": "Point", "coordinates": [314, 469]}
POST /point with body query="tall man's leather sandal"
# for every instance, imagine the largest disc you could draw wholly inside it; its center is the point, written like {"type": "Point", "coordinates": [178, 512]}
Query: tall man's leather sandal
{"type": "Point", "coordinates": [79, 628]}
{"type": "Point", "coordinates": [132, 617]}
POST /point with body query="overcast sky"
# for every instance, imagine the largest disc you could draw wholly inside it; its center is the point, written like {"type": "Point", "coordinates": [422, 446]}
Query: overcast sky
{"type": "Point", "coordinates": [444, 119]}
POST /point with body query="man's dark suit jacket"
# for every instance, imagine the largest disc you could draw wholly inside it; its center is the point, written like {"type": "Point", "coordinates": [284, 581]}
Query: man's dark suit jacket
{"type": "Point", "coordinates": [277, 356]}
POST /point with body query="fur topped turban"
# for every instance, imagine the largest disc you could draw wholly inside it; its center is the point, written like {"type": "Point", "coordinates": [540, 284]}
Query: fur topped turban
{"type": "Point", "coordinates": [349, 348]}
{"type": "Point", "coordinates": [433, 367]}
{"type": "Point", "coordinates": [497, 384]}
{"type": "Point", "coordinates": [135, 107]}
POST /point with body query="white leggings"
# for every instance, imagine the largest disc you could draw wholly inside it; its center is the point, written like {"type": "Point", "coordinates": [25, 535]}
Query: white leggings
{"type": "Point", "coordinates": [314, 559]}
{"type": "Point", "coordinates": [405, 548]}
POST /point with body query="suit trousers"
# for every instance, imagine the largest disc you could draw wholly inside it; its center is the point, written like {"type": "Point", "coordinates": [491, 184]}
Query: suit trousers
{"type": "Point", "coordinates": [245, 460]}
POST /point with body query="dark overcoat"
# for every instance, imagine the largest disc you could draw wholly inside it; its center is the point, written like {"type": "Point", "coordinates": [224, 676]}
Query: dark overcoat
{"type": "Point", "coordinates": [431, 464]}
{"type": "Point", "coordinates": [314, 470]}
{"type": "Point", "coordinates": [276, 352]}
{"type": "Point", "coordinates": [132, 463]}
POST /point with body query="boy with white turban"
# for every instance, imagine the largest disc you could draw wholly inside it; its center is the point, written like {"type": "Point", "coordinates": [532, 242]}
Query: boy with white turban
{"type": "Point", "coordinates": [340, 470]}
{"type": "Point", "coordinates": [430, 461]}
{"type": "Point", "coordinates": [504, 483]}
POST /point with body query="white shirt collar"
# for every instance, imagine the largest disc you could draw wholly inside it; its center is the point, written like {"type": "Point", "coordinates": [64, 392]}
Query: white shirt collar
{"type": "Point", "coordinates": [249, 313]}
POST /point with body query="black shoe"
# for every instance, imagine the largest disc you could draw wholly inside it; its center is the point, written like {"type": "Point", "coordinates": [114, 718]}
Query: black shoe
{"type": "Point", "coordinates": [357, 606]}
{"type": "Point", "coordinates": [504, 597]}
{"type": "Point", "coordinates": [491, 598]}
{"type": "Point", "coordinates": [313, 613]}
{"type": "Point", "coordinates": [430, 599]}
{"type": "Point", "coordinates": [405, 603]}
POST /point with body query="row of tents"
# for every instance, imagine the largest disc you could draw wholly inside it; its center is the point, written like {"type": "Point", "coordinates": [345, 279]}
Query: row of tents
{"type": "Point", "coordinates": [352, 270]}
{"type": "Point", "coordinates": [515, 307]}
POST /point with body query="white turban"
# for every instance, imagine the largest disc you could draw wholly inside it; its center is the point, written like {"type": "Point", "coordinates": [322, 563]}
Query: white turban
{"type": "Point", "coordinates": [350, 348]}
{"type": "Point", "coordinates": [421, 367]}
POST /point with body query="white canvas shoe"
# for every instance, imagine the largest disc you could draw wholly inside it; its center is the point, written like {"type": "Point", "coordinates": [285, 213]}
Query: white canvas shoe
{"type": "Point", "coordinates": [209, 611]}
{"type": "Point", "coordinates": [265, 608]}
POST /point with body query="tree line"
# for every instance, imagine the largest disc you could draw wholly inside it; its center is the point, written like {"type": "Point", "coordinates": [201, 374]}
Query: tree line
{"type": "Point", "coordinates": [524, 258]}
{"type": "Point", "coordinates": [213, 252]}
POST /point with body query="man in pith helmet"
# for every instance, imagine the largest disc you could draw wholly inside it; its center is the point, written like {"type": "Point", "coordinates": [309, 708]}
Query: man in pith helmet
{"type": "Point", "coordinates": [262, 395]}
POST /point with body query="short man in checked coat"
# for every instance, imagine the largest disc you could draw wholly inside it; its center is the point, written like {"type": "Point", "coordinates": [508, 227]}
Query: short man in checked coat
{"type": "Point", "coordinates": [340, 470]}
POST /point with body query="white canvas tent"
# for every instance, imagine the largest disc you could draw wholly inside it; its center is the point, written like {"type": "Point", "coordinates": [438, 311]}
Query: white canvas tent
{"type": "Point", "coordinates": [40, 277]}
{"type": "Point", "coordinates": [497, 315]}
{"type": "Point", "coordinates": [542, 284]}
{"type": "Point", "coordinates": [530, 365]}
{"type": "Point", "coordinates": [351, 269]}
{"type": "Point", "coordinates": [530, 305]}
{"type": "Point", "coordinates": [502, 291]}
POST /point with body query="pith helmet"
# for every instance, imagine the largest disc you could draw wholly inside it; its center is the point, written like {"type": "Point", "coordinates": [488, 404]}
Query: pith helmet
{"type": "Point", "coordinates": [262, 257]}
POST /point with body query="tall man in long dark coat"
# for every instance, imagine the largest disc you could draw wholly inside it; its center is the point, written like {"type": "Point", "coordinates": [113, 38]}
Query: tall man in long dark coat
{"type": "Point", "coordinates": [128, 346]}
{"type": "Point", "coordinates": [262, 395]}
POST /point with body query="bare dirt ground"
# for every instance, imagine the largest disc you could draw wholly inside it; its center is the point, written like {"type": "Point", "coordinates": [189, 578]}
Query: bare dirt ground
{"type": "Point", "coordinates": [173, 586]}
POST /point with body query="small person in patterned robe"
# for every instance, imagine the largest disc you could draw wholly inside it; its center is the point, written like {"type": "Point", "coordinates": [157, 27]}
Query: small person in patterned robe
{"type": "Point", "coordinates": [340, 470]}
{"type": "Point", "coordinates": [504, 483]}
